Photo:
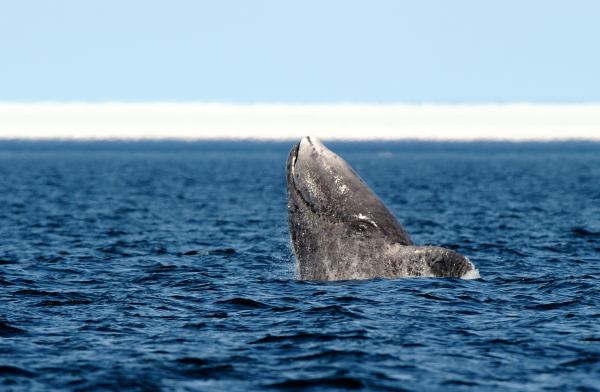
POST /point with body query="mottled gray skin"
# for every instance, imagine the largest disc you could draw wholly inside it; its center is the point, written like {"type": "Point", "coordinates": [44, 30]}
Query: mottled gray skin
{"type": "Point", "coordinates": [341, 230]}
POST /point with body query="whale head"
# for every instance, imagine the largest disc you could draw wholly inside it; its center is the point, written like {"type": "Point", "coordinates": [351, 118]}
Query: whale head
{"type": "Point", "coordinates": [341, 230]}
{"type": "Point", "coordinates": [330, 190]}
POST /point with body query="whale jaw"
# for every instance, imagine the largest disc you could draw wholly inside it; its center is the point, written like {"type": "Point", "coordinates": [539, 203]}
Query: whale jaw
{"type": "Point", "coordinates": [341, 230]}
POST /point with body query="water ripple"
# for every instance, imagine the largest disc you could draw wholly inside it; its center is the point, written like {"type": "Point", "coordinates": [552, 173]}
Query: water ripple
{"type": "Point", "coordinates": [167, 266]}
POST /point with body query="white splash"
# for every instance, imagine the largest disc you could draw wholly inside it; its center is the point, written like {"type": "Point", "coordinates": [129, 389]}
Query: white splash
{"type": "Point", "coordinates": [471, 274]}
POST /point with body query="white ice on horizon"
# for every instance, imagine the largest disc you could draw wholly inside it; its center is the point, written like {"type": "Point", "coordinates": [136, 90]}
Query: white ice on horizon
{"type": "Point", "coordinates": [349, 121]}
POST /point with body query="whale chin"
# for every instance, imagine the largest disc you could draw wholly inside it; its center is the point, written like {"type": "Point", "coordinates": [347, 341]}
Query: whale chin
{"type": "Point", "coordinates": [341, 230]}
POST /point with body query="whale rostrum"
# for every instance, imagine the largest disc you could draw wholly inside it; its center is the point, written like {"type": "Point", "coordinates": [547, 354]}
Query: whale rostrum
{"type": "Point", "coordinates": [341, 230]}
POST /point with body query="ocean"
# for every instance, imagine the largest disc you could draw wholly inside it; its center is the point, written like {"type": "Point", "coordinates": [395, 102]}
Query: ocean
{"type": "Point", "coordinates": [146, 266]}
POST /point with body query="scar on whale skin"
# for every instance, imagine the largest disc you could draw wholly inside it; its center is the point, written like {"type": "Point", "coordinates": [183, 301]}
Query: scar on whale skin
{"type": "Point", "coordinates": [341, 230]}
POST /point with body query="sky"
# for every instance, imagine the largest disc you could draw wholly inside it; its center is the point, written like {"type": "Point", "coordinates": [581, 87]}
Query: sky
{"type": "Point", "coordinates": [316, 52]}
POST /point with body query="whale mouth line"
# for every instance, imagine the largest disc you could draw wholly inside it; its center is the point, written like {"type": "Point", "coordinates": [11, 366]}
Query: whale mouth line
{"type": "Point", "coordinates": [292, 177]}
{"type": "Point", "coordinates": [294, 158]}
{"type": "Point", "coordinates": [296, 150]}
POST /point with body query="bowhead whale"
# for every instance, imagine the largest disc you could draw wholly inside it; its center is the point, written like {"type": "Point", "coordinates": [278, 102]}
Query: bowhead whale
{"type": "Point", "coordinates": [340, 229]}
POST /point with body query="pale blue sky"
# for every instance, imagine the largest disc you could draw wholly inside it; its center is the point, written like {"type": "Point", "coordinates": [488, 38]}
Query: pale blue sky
{"type": "Point", "coordinates": [300, 51]}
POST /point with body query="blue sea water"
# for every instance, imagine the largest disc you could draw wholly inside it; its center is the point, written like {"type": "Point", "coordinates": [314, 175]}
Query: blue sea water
{"type": "Point", "coordinates": [167, 266]}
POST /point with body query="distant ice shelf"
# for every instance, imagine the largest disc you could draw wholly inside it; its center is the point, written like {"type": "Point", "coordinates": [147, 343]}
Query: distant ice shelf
{"type": "Point", "coordinates": [271, 121]}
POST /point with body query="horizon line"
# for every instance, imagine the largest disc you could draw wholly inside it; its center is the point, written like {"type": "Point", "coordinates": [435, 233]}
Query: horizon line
{"type": "Point", "coordinates": [195, 120]}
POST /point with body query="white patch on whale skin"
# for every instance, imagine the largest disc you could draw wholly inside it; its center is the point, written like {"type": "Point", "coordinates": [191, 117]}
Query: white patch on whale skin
{"type": "Point", "coordinates": [294, 165]}
{"type": "Point", "coordinates": [343, 188]}
{"type": "Point", "coordinates": [366, 218]}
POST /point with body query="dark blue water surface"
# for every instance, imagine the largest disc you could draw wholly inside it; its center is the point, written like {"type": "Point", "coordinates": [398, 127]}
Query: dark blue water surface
{"type": "Point", "coordinates": [167, 266]}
